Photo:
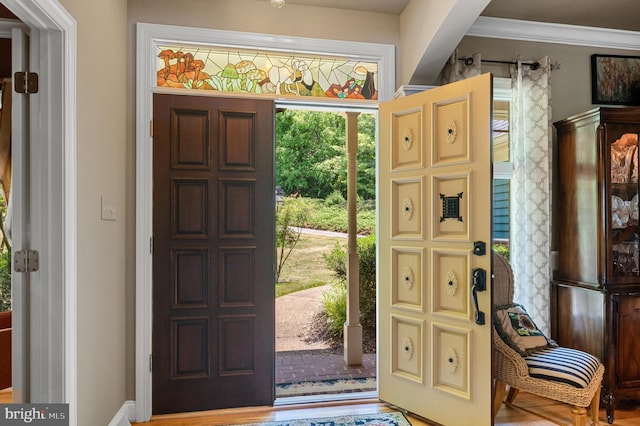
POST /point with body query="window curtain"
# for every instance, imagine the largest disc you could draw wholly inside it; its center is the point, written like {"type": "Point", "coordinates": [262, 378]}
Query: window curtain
{"type": "Point", "coordinates": [458, 69]}
{"type": "Point", "coordinates": [531, 187]}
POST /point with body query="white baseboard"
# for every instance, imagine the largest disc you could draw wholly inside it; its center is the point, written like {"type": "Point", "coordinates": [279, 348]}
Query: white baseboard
{"type": "Point", "coordinates": [125, 415]}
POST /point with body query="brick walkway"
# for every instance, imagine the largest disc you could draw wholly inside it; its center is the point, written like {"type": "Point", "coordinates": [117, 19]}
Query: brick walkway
{"type": "Point", "coordinates": [320, 365]}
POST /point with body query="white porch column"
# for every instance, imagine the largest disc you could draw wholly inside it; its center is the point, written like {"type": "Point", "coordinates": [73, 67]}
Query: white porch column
{"type": "Point", "coordinates": [352, 327]}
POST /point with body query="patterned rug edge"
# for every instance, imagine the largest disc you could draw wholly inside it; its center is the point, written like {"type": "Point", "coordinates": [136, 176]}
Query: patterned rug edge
{"type": "Point", "coordinates": [394, 418]}
{"type": "Point", "coordinates": [326, 386]}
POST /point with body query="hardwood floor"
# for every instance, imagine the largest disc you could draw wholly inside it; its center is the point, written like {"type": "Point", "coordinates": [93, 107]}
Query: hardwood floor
{"type": "Point", "coordinates": [270, 414]}
{"type": "Point", "coordinates": [6, 397]}
{"type": "Point", "coordinates": [531, 410]}
{"type": "Point", "coordinates": [528, 410]}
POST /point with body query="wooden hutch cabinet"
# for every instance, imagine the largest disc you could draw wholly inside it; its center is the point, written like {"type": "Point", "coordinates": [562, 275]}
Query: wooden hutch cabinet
{"type": "Point", "coordinates": [596, 285]}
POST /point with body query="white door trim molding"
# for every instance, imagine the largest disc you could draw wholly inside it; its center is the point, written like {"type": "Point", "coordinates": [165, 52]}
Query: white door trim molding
{"type": "Point", "coordinates": [148, 36]}
{"type": "Point", "coordinates": [53, 362]}
{"type": "Point", "coordinates": [7, 26]}
{"type": "Point", "coordinates": [546, 32]}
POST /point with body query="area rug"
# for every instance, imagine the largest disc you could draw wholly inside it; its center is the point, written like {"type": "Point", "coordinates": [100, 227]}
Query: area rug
{"type": "Point", "coordinates": [377, 419]}
{"type": "Point", "coordinates": [325, 387]}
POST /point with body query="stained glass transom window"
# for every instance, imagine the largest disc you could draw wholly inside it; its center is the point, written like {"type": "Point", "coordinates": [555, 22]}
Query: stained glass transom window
{"type": "Point", "coordinates": [264, 72]}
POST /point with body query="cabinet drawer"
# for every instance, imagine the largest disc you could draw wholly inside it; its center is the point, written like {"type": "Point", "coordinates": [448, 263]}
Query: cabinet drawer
{"type": "Point", "coordinates": [629, 342]}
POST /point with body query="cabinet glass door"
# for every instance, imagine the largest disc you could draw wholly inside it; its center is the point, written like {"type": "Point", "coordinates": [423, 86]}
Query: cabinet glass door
{"type": "Point", "coordinates": [624, 205]}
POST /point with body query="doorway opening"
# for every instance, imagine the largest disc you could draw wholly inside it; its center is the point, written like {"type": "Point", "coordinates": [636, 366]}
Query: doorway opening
{"type": "Point", "coordinates": [6, 390]}
{"type": "Point", "coordinates": [312, 228]}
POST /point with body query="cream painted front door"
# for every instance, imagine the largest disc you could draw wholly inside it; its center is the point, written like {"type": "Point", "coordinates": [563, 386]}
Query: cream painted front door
{"type": "Point", "coordinates": [435, 213]}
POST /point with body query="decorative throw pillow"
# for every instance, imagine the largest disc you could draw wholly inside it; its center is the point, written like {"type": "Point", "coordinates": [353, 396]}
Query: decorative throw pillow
{"type": "Point", "coordinates": [518, 330]}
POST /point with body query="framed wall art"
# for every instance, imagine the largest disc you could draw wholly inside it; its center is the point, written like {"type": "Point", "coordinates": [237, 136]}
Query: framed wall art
{"type": "Point", "coordinates": [615, 80]}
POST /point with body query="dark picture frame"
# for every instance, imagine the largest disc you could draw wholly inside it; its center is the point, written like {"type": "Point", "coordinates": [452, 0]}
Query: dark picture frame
{"type": "Point", "coordinates": [615, 80]}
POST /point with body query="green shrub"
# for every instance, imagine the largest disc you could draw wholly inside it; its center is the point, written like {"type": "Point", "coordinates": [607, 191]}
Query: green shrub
{"type": "Point", "coordinates": [334, 302]}
{"type": "Point", "coordinates": [502, 249]}
{"type": "Point", "coordinates": [367, 252]}
{"type": "Point", "coordinates": [335, 199]}
{"type": "Point", "coordinates": [337, 261]}
{"type": "Point", "coordinates": [321, 215]}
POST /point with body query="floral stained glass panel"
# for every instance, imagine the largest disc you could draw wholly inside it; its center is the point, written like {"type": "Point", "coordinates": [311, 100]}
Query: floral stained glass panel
{"type": "Point", "coordinates": [262, 72]}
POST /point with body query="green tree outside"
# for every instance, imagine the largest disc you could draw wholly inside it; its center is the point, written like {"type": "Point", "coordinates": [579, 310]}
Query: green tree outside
{"type": "Point", "coordinates": [311, 154]}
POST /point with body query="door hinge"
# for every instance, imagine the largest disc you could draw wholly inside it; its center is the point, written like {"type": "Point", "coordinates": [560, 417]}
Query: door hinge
{"type": "Point", "coordinates": [151, 245]}
{"type": "Point", "coordinates": [26, 260]}
{"type": "Point", "coordinates": [25, 82]}
{"type": "Point", "coordinates": [151, 128]}
{"type": "Point", "coordinates": [150, 362]}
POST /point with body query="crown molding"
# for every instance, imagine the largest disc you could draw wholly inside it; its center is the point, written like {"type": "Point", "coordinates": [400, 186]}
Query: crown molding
{"type": "Point", "coordinates": [546, 32]}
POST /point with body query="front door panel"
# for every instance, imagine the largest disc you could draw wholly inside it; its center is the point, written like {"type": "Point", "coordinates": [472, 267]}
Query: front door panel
{"type": "Point", "coordinates": [435, 202]}
{"type": "Point", "coordinates": [213, 260]}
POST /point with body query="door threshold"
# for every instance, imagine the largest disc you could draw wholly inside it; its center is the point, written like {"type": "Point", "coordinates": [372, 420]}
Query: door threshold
{"type": "Point", "coordinates": [332, 397]}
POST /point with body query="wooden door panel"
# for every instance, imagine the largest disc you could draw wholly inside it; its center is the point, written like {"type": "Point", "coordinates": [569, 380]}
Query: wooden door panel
{"type": "Point", "coordinates": [237, 209]}
{"type": "Point", "coordinates": [189, 272]}
{"type": "Point", "coordinates": [213, 261]}
{"type": "Point", "coordinates": [236, 141]}
{"type": "Point", "coordinates": [190, 349]}
{"type": "Point", "coordinates": [190, 139]}
{"type": "Point", "coordinates": [236, 345]}
{"type": "Point", "coordinates": [190, 208]}
{"type": "Point", "coordinates": [236, 276]}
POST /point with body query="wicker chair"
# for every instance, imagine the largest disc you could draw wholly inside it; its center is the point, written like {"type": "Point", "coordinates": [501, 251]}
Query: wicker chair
{"type": "Point", "coordinates": [510, 368]}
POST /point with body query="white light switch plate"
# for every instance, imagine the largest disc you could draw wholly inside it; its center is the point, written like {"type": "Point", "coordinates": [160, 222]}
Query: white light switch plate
{"type": "Point", "coordinates": [109, 209]}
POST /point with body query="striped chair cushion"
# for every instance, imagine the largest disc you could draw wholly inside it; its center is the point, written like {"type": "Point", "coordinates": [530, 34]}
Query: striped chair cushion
{"type": "Point", "coordinates": [564, 365]}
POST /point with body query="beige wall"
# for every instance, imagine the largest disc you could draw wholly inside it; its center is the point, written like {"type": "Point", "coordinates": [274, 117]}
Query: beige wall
{"type": "Point", "coordinates": [102, 72]}
{"type": "Point", "coordinates": [419, 23]}
{"type": "Point", "coordinates": [258, 16]}
{"type": "Point", "coordinates": [430, 31]}
{"type": "Point", "coordinates": [570, 84]}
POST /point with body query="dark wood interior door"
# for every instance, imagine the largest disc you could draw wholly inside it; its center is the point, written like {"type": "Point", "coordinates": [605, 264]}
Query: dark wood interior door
{"type": "Point", "coordinates": [213, 253]}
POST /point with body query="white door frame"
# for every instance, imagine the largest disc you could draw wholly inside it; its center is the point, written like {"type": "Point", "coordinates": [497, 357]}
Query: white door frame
{"type": "Point", "coordinates": [148, 36]}
{"type": "Point", "coordinates": [17, 206]}
{"type": "Point", "coordinates": [53, 343]}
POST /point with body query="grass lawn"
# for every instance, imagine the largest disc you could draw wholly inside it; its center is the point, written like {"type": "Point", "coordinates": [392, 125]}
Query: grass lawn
{"type": "Point", "coordinates": [305, 267]}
